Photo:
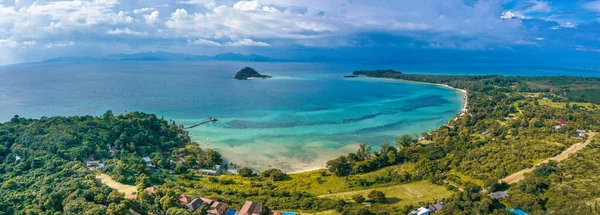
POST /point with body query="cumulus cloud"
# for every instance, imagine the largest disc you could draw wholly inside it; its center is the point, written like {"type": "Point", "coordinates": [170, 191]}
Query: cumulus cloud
{"type": "Point", "coordinates": [143, 10]}
{"type": "Point", "coordinates": [59, 45]}
{"type": "Point", "coordinates": [247, 42]}
{"type": "Point", "coordinates": [448, 24]}
{"type": "Point", "coordinates": [29, 43]}
{"type": "Point", "coordinates": [511, 15]}
{"type": "Point", "coordinates": [126, 31]}
{"type": "Point", "coordinates": [152, 18]}
{"type": "Point", "coordinates": [204, 42]}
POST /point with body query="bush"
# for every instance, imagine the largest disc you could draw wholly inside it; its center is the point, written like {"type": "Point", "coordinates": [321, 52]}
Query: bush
{"type": "Point", "coordinates": [245, 172]}
{"type": "Point", "coordinates": [358, 198]}
{"type": "Point", "coordinates": [377, 196]}
{"type": "Point", "coordinates": [274, 174]}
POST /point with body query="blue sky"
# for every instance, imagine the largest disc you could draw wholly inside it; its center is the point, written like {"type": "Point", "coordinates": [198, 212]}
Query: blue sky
{"type": "Point", "coordinates": [36, 30]}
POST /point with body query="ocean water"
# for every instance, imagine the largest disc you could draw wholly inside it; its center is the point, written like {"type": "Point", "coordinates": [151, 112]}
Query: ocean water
{"type": "Point", "coordinates": [306, 115]}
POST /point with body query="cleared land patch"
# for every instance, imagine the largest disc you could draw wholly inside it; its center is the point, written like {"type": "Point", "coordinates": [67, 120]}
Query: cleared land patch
{"type": "Point", "coordinates": [402, 194]}
{"type": "Point", "coordinates": [123, 188]}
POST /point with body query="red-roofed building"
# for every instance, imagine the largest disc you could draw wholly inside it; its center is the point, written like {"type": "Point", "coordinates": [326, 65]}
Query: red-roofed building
{"type": "Point", "coordinates": [183, 199]}
{"type": "Point", "coordinates": [217, 208]}
{"type": "Point", "coordinates": [250, 208]}
{"type": "Point", "coordinates": [131, 197]}
{"type": "Point", "coordinates": [151, 190]}
{"type": "Point", "coordinates": [561, 121]}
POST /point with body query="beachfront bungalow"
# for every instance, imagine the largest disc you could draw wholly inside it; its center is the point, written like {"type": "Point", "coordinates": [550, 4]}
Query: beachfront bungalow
{"type": "Point", "coordinates": [217, 208]}
{"type": "Point", "coordinates": [498, 195]}
{"type": "Point", "coordinates": [215, 171]}
{"type": "Point", "coordinates": [250, 208]}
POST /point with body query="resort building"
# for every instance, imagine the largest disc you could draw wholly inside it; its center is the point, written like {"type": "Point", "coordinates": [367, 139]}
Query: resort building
{"type": "Point", "coordinates": [148, 162]}
{"type": "Point", "coordinates": [250, 208]}
{"type": "Point", "coordinates": [498, 195]}
{"type": "Point", "coordinates": [435, 207]}
{"type": "Point", "coordinates": [581, 133]}
{"type": "Point", "coordinates": [215, 171]}
{"type": "Point", "coordinates": [94, 164]}
{"type": "Point", "coordinates": [152, 190]}
{"type": "Point", "coordinates": [217, 208]}
{"type": "Point", "coordinates": [194, 205]}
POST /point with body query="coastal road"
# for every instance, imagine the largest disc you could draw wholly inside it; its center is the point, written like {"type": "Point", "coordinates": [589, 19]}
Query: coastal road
{"type": "Point", "coordinates": [563, 155]}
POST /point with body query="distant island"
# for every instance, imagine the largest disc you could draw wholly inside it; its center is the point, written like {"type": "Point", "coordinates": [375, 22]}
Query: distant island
{"type": "Point", "coordinates": [249, 73]}
{"type": "Point", "coordinates": [378, 72]}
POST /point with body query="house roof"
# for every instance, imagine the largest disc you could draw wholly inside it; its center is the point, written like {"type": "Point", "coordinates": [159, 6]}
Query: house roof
{"type": "Point", "coordinates": [422, 210]}
{"type": "Point", "coordinates": [194, 204]}
{"type": "Point", "coordinates": [151, 189]}
{"type": "Point", "coordinates": [183, 199]}
{"type": "Point", "coordinates": [561, 121]}
{"type": "Point", "coordinates": [217, 208]}
{"type": "Point", "coordinates": [277, 213]}
{"type": "Point", "coordinates": [250, 208]}
{"type": "Point", "coordinates": [435, 207]}
{"type": "Point", "coordinates": [131, 197]}
{"type": "Point", "coordinates": [498, 195]}
{"type": "Point", "coordinates": [207, 201]}
{"type": "Point", "coordinates": [147, 159]}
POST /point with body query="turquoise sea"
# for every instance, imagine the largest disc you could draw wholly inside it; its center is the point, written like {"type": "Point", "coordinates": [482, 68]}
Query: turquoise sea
{"type": "Point", "coordinates": [306, 115]}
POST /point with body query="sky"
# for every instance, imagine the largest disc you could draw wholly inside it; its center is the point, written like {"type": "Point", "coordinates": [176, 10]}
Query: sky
{"type": "Point", "coordinates": [33, 30]}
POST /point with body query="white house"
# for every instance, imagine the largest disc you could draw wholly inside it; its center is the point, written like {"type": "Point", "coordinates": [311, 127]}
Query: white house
{"type": "Point", "coordinates": [423, 211]}
{"type": "Point", "coordinates": [581, 133]}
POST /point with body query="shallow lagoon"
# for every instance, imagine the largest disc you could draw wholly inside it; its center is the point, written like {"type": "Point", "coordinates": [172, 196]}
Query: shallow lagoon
{"type": "Point", "coordinates": [306, 115]}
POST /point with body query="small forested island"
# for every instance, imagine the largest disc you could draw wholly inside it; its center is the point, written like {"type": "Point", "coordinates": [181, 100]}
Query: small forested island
{"type": "Point", "coordinates": [525, 143]}
{"type": "Point", "coordinates": [350, 76]}
{"type": "Point", "coordinates": [249, 73]}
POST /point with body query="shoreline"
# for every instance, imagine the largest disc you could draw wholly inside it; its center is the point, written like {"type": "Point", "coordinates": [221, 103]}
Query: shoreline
{"type": "Point", "coordinates": [463, 110]}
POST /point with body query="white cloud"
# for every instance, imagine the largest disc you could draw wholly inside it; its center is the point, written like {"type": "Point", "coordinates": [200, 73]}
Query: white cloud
{"type": "Point", "coordinates": [593, 6]}
{"type": "Point", "coordinates": [204, 42]}
{"type": "Point", "coordinates": [29, 43]}
{"type": "Point", "coordinates": [247, 42]}
{"type": "Point", "coordinates": [197, 2]}
{"type": "Point", "coordinates": [511, 15]}
{"type": "Point", "coordinates": [152, 17]}
{"type": "Point", "coordinates": [567, 25]}
{"type": "Point", "coordinates": [539, 38]}
{"type": "Point", "coordinates": [247, 5]}
{"type": "Point", "coordinates": [143, 10]}
{"type": "Point", "coordinates": [8, 43]}
{"type": "Point", "coordinates": [126, 31]}
{"type": "Point", "coordinates": [52, 45]}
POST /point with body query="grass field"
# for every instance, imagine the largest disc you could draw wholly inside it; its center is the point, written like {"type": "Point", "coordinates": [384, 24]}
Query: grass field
{"type": "Point", "coordinates": [401, 195]}
{"type": "Point", "coordinates": [317, 182]}
{"type": "Point", "coordinates": [123, 188]}
{"type": "Point", "coordinates": [550, 103]}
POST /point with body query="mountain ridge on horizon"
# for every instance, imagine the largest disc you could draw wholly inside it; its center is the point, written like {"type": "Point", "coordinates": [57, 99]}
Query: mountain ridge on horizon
{"type": "Point", "coordinates": [171, 56]}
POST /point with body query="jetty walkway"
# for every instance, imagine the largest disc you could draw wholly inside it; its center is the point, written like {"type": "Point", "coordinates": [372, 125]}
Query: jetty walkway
{"type": "Point", "coordinates": [210, 119]}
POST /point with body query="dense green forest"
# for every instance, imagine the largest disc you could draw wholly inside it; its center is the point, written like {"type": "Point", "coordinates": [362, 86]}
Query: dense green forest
{"type": "Point", "coordinates": [43, 169]}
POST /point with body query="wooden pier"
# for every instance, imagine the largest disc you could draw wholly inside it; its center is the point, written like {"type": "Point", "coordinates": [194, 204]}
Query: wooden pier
{"type": "Point", "coordinates": [210, 119]}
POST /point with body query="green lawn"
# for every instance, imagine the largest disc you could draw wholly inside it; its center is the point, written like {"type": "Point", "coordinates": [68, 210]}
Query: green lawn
{"type": "Point", "coordinates": [401, 195]}
{"type": "Point", "coordinates": [307, 181]}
